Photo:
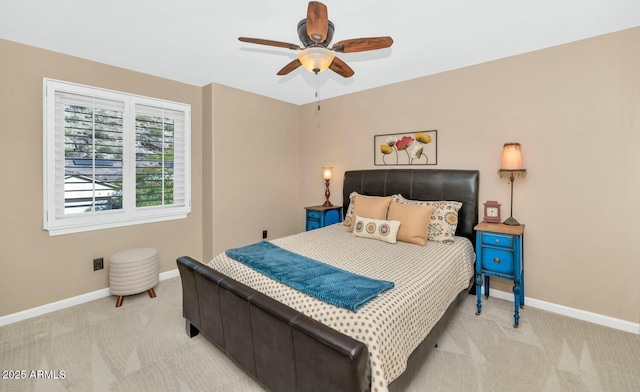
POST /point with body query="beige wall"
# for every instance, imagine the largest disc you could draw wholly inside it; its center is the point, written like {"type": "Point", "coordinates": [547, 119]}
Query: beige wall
{"type": "Point", "coordinates": [37, 269]}
{"type": "Point", "coordinates": [576, 111]}
{"type": "Point", "coordinates": [256, 148]}
{"type": "Point", "coordinates": [207, 173]}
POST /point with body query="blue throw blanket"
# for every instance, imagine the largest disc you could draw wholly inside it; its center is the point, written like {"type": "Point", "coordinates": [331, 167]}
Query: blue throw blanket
{"type": "Point", "coordinates": [322, 281]}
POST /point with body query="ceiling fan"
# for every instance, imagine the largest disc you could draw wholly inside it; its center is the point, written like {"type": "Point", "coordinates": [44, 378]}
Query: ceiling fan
{"type": "Point", "coordinates": [315, 33]}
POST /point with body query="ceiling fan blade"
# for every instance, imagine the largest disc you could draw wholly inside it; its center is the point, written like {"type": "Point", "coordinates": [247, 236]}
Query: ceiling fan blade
{"type": "Point", "coordinates": [341, 68]}
{"type": "Point", "coordinates": [317, 22]}
{"type": "Point", "coordinates": [362, 44]}
{"type": "Point", "coordinates": [289, 67]}
{"type": "Point", "coordinates": [268, 42]}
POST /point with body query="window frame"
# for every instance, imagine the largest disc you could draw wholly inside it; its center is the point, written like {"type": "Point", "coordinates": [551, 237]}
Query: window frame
{"type": "Point", "coordinates": [129, 214]}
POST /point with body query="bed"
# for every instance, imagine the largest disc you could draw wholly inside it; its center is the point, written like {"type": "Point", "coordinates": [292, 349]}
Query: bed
{"type": "Point", "coordinates": [288, 350]}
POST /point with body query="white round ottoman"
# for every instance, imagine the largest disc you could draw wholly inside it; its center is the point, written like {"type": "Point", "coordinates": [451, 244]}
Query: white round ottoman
{"type": "Point", "coordinates": [134, 271]}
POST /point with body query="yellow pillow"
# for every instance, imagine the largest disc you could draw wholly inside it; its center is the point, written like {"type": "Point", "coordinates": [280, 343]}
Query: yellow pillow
{"type": "Point", "coordinates": [374, 207]}
{"type": "Point", "coordinates": [414, 220]}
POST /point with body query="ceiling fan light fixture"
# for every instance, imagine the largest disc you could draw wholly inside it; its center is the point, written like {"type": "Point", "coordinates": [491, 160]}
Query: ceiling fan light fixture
{"type": "Point", "coordinates": [316, 59]}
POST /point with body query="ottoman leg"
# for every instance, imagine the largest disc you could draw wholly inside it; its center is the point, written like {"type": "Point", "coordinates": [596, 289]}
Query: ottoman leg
{"type": "Point", "coordinates": [119, 301]}
{"type": "Point", "coordinates": [152, 293]}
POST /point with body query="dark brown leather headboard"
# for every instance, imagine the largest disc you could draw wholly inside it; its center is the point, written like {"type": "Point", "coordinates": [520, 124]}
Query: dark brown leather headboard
{"type": "Point", "coordinates": [421, 184]}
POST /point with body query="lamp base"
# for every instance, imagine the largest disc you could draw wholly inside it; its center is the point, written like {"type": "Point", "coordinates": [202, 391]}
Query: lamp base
{"type": "Point", "coordinates": [327, 194]}
{"type": "Point", "coordinates": [511, 221]}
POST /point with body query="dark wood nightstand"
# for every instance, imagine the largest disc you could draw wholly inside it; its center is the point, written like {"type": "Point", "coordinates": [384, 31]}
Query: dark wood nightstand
{"type": "Point", "coordinates": [321, 216]}
{"type": "Point", "coordinates": [499, 253]}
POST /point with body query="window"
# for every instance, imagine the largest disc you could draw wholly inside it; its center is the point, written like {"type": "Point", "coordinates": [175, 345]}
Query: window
{"type": "Point", "coordinates": [113, 159]}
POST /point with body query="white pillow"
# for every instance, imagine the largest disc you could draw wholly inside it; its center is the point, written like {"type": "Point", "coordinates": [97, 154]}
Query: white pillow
{"type": "Point", "coordinates": [378, 229]}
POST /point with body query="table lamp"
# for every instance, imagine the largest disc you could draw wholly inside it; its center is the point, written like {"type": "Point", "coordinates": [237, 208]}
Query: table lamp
{"type": "Point", "coordinates": [511, 167]}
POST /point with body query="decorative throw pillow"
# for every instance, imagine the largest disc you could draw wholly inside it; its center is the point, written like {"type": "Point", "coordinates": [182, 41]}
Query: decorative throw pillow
{"type": "Point", "coordinates": [374, 207]}
{"type": "Point", "coordinates": [415, 219]}
{"type": "Point", "coordinates": [348, 217]}
{"type": "Point", "coordinates": [378, 229]}
{"type": "Point", "coordinates": [444, 219]}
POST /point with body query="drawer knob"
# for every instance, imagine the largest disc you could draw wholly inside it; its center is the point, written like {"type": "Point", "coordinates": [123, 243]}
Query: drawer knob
{"type": "Point", "coordinates": [497, 241]}
{"type": "Point", "coordinates": [496, 260]}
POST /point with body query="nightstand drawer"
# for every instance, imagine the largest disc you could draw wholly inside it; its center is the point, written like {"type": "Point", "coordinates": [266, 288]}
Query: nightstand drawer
{"type": "Point", "coordinates": [497, 260]}
{"type": "Point", "coordinates": [314, 214]}
{"type": "Point", "coordinates": [313, 224]}
{"type": "Point", "coordinates": [497, 240]}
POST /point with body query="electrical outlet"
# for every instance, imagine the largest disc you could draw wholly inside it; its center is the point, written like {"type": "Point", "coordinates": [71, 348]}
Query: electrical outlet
{"type": "Point", "coordinates": [264, 234]}
{"type": "Point", "coordinates": [98, 263]}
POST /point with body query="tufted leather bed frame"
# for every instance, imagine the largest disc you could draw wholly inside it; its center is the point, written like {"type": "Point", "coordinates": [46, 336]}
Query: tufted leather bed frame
{"type": "Point", "coordinates": [285, 350]}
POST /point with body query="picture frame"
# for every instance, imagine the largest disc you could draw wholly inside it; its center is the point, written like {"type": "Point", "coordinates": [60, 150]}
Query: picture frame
{"type": "Point", "coordinates": [406, 148]}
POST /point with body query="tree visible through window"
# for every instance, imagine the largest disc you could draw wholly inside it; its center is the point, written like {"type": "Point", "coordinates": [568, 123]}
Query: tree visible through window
{"type": "Point", "coordinates": [154, 160]}
{"type": "Point", "coordinates": [93, 159]}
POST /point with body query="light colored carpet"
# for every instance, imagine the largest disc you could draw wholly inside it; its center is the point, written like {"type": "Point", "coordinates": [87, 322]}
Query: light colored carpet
{"type": "Point", "coordinates": [142, 346]}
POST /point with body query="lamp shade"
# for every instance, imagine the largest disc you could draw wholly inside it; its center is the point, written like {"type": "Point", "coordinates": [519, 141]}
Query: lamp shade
{"type": "Point", "coordinates": [511, 157]}
{"type": "Point", "coordinates": [327, 172]}
{"type": "Point", "coordinates": [316, 59]}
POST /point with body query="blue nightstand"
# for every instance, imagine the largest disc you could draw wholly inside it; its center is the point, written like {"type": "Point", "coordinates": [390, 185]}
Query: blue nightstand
{"type": "Point", "coordinates": [499, 253]}
{"type": "Point", "coordinates": [320, 216]}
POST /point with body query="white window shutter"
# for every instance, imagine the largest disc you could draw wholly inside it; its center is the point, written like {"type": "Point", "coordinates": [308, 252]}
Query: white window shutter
{"type": "Point", "coordinates": [113, 159]}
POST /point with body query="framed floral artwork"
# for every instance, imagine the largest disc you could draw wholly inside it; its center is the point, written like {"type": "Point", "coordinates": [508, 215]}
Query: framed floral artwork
{"type": "Point", "coordinates": [414, 148]}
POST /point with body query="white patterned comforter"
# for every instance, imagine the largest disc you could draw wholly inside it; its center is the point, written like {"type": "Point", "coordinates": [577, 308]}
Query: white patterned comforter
{"type": "Point", "coordinates": [427, 280]}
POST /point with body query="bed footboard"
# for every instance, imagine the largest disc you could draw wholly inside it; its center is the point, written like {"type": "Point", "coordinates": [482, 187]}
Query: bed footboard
{"type": "Point", "coordinates": [280, 347]}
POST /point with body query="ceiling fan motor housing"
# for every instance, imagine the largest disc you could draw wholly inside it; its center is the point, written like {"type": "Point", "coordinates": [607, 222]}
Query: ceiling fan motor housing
{"type": "Point", "coordinates": [306, 41]}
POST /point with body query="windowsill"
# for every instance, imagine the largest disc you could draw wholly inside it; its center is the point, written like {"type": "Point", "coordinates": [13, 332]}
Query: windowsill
{"type": "Point", "coordinates": [111, 225]}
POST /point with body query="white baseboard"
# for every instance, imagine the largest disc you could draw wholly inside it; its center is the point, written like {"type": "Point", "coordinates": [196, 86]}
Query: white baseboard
{"type": "Point", "coordinates": [66, 303]}
{"type": "Point", "coordinates": [622, 325]}
{"type": "Point", "coordinates": [595, 318]}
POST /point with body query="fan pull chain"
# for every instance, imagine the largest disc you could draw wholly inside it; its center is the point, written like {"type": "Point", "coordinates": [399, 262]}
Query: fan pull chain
{"type": "Point", "coordinates": [317, 99]}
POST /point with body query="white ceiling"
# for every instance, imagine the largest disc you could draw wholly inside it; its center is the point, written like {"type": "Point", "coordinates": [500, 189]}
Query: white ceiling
{"type": "Point", "coordinates": [195, 41]}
